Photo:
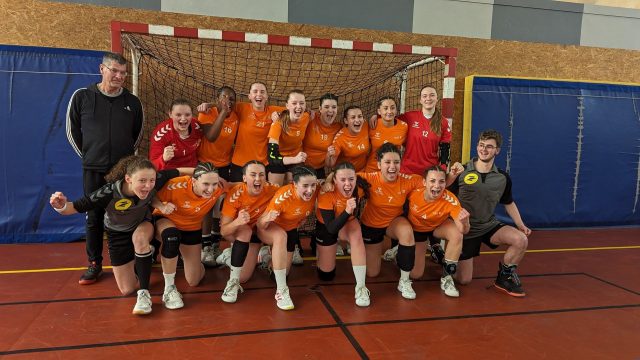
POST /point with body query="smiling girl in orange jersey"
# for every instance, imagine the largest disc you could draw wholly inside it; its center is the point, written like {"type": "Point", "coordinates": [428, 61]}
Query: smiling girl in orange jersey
{"type": "Point", "coordinates": [279, 225]}
{"type": "Point", "coordinates": [285, 139]}
{"type": "Point", "coordinates": [388, 130]}
{"type": "Point", "coordinates": [181, 205]}
{"type": "Point", "coordinates": [351, 144]}
{"type": "Point", "coordinates": [436, 212]}
{"type": "Point", "coordinates": [320, 133]}
{"type": "Point", "coordinates": [243, 206]}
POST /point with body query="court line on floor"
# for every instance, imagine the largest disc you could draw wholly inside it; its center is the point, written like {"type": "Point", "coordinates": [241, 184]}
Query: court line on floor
{"type": "Point", "coordinates": [627, 247]}
{"type": "Point", "coordinates": [317, 327]}
{"type": "Point", "coordinates": [612, 284]}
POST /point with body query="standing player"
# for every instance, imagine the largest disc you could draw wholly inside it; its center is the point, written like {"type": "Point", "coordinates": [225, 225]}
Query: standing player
{"type": "Point", "coordinates": [104, 124]}
{"type": "Point", "coordinates": [436, 212]}
{"type": "Point", "coordinates": [480, 188]}
{"type": "Point", "coordinates": [351, 144]}
{"type": "Point", "coordinates": [174, 141]}
{"type": "Point", "coordinates": [389, 130]}
{"type": "Point", "coordinates": [320, 133]}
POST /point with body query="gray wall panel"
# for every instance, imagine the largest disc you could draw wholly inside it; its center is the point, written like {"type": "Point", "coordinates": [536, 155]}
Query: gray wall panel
{"type": "Point", "coordinates": [452, 17]}
{"type": "Point", "coordinates": [538, 21]}
{"type": "Point", "coordinates": [271, 10]}
{"type": "Point", "coordinates": [396, 15]}
{"type": "Point", "coordinates": [610, 27]}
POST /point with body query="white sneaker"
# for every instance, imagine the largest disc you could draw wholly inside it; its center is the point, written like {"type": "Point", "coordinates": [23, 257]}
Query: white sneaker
{"type": "Point", "coordinates": [339, 250]}
{"type": "Point", "coordinates": [448, 286]}
{"type": "Point", "coordinates": [172, 298]}
{"type": "Point", "coordinates": [224, 258]}
{"type": "Point", "coordinates": [297, 258]}
{"type": "Point", "coordinates": [362, 296]}
{"type": "Point", "coordinates": [390, 255]}
{"type": "Point", "coordinates": [264, 257]}
{"type": "Point", "coordinates": [208, 256]}
{"type": "Point", "coordinates": [143, 303]}
{"type": "Point", "coordinates": [230, 293]}
{"type": "Point", "coordinates": [404, 286]}
{"type": "Point", "coordinates": [283, 299]}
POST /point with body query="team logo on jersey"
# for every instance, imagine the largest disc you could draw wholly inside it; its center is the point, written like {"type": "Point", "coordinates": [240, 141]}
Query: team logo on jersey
{"type": "Point", "coordinates": [415, 125]}
{"type": "Point", "coordinates": [297, 211]}
{"type": "Point", "coordinates": [379, 191]}
{"type": "Point", "coordinates": [186, 205]}
{"type": "Point", "coordinates": [123, 204]}
{"type": "Point", "coordinates": [376, 135]}
{"type": "Point", "coordinates": [162, 132]}
{"type": "Point", "coordinates": [471, 179]}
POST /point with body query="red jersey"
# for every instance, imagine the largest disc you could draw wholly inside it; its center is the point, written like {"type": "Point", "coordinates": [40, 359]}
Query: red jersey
{"type": "Point", "coordinates": [185, 149]}
{"type": "Point", "coordinates": [293, 210]}
{"type": "Point", "coordinates": [397, 134]}
{"type": "Point", "coordinates": [386, 199]}
{"type": "Point", "coordinates": [218, 152]}
{"type": "Point", "coordinates": [253, 131]}
{"type": "Point", "coordinates": [190, 208]}
{"type": "Point", "coordinates": [428, 215]}
{"type": "Point", "coordinates": [352, 148]}
{"type": "Point", "coordinates": [239, 199]}
{"type": "Point", "coordinates": [421, 149]}
{"type": "Point", "coordinates": [317, 139]}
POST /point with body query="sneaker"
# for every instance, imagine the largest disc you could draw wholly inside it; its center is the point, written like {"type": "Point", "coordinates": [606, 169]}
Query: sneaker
{"type": "Point", "coordinates": [339, 250]}
{"type": "Point", "coordinates": [94, 270]}
{"type": "Point", "coordinates": [283, 299]}
{"type": "Point", "coordinates": [230, 293]}
{"type": "Point", "coordinates": [404, 286]}
{"type": "Point", "coordinates": [297, 258]}
{"type": "Point", "coordinates": [264, 257]}
{"type": "Point", "coordinates": [390, 255]}
{"type": "Point", "coordinates": [362, 296]}
{"type": "Point", "coordinates": [225, 257]}
{"type": "Point", "coordinates": [448, 286]}
{"type": "Point", "coordinates": [143, 303]}
{"type": "Point", "coordinates": [437, 254]}
{"type": "Point", "coordinates": [208, 256]}
{"type": "Point", "coordinates": [172, 299]}
{"type": "Point", "coordinates": [509, 283]}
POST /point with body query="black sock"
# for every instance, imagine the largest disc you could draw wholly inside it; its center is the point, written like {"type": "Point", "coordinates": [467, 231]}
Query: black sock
{"type": "Point", "coordinates": [239, 253]}
{"type": "Point", "coordinates": [142, 267]}
{"type": "Point", "coordinates": [406, 257]}
{"type": "Point", "coordinates": [215, 230]}
{"type": "Point", "coordinates": [206, 240]}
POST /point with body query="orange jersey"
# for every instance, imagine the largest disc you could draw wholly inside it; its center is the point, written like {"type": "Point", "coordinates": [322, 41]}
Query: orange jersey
{"type": "Point", "coordinates": [317, 139]}
{"type": "Point", "coordinates": [292, 209]}
{"type": "Point", "coordinates": [333, 201]}
{"type": "Point", "coordinates": [190, 208]}
{"type": "Point", "coordinates": [239, 199]}
{"type": "Point", "coordinates": [253, 128]}
{"type": "Point", "coordinates": [428, 215]}
{"type": "Point", "coordinates": [397, 135]}
{"type": "Point", "coordinates": [352, 148]}
{"type": "Point", "coordinates": [386, 199]}
{"type": "Point", "coordinates": [218, 152]}
{"type": "Point", "coordinates": [290, 143]}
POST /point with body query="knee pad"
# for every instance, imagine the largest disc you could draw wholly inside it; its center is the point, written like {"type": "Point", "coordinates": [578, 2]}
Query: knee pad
{"type": "Point", "coordinates": [325, 240]}
{"type": "Point", "coordinates": [450, 268]}
{"type": "Point", "coordinates": [170, 242]}
{"type": "Point", "coordinates": [326, 275]}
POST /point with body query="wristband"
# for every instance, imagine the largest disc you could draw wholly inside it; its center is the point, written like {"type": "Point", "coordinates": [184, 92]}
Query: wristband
{"type": "Point", "coordinates": [62, 209]}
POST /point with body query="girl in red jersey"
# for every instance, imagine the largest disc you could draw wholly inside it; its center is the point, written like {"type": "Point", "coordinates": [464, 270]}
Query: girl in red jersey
{"type": "Point", "coordinates": [387, 130]}
{"type": "Point", "coordinates": [278, 226]}
{"type": "Point", "coordinates": [322, 129]}
{"type": "Point", "coordinates": [180, 206]}
{"type": "Point", "coordinates": [285, 138]}
{"type": "Point", "coordinates": [174, 142]}
{"type": "Point", "coordinates": [336, 219]}
{"type": "Point", "coordinates": [243, 206]}
{"type": "Point", "coordinates": [351, 144]}
{"type": "Point", "coordinates": [436, 212]}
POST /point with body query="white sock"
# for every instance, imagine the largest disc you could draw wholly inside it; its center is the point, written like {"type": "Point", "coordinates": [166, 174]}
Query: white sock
{"type": "Point", "coordinates": [281, 278]}
{"type": "Point", "coordinates": [235, 272]}
{"type": "Point", "coordinates": [169, 280]}
{"type": "Point", "coordinates": [404, 275]}
{"type": "Point", "coordinates": [360, 271]}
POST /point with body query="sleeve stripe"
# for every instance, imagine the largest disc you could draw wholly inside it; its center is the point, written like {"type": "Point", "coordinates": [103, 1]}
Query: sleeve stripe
{"type": "Point", "coordinates": [137, 143]}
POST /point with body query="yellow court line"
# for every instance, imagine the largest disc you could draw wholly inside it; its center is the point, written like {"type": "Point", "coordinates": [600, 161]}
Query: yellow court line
{"type": "Point", "coordinates": [4, 272]}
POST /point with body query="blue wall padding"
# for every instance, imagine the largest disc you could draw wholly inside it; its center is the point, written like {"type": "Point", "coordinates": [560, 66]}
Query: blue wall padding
{"type": "Point", "coordinates": [35, 157]}
{"type": "Point", "coordinates": [539, 122]}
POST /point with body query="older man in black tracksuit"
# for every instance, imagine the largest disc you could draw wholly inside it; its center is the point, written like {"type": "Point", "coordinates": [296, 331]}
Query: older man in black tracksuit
{"type": "Point", "coordinates": [104, 124]}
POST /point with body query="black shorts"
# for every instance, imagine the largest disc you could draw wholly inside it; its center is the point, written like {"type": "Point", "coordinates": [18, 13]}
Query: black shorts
{"type": "Point", "coordinates": [193, 237]}
{"type": "Point", "coordinates": [255, 239]}
{"type": "Point", "coordinates": [235, 173]}
{"type": "Point", "coordinates": [280, 169]}
{"type": "Point", "coordinates": [471, 246]}
{"type": "Point", "coordinates": [423, 236]}
{"type": "Point", "coordinates": [225, 172]}
{"type": "Point", "coordinates": [120, 245]}
{"type": "Point", "coordinates": [371, 235]}
{"type": "Point", "coordinates": [322, 237]}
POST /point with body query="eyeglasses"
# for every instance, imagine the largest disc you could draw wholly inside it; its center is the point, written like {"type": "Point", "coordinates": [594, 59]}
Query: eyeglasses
{"type": "Point", "coordinates": [486, 147]}
{"type": "Point", "coordinates": [116, 72]}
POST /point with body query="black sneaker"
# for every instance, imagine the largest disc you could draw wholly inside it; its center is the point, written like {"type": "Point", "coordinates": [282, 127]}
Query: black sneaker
{"type": "Point", "coordinates": [509, 283]}
{"type": "Point", "coordinates": [91, 275]}
{"type": "Point", "coordinates": [437, 254]}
